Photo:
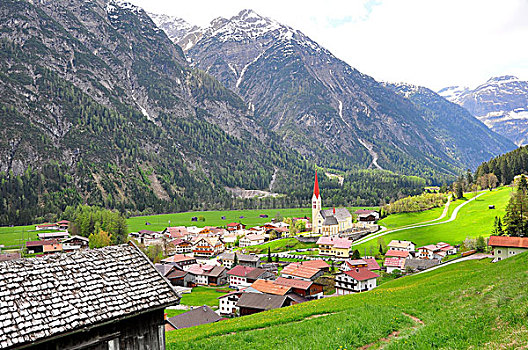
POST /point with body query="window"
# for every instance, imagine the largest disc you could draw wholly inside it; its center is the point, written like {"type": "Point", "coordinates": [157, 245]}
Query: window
{"type": "Point", "coordinates": [498, 252]}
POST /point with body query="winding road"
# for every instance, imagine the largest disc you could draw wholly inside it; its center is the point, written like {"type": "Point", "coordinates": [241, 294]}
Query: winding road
{"type": "Point", "coordinates": [453, 217]}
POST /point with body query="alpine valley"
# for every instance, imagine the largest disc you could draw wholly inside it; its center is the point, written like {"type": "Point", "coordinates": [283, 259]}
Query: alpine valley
{"type": "Point", "coordinates": [100, 106]}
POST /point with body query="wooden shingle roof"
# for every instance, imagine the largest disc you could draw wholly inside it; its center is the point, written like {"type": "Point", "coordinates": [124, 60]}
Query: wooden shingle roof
{"type": "Point", "coordinates": [63, 293]}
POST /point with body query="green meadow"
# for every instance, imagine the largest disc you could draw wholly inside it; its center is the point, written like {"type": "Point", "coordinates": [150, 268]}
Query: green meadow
{"type": "Point", "coordinates": [473, 220]}
{"type": "Point", "coordinates": [202, 296]}
{"type": "Point", "coordinates": [468, 305]}
{"type": "Point", "coordinates": [251, 217]}
{"type": "Point", "coordinates": [278, 245]}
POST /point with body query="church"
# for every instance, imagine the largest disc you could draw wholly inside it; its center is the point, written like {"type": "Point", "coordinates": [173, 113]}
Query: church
{"type": "Point", "coordinates": [328, 221]}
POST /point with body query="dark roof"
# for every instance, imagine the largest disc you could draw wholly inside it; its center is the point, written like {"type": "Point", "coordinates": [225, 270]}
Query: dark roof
{"type": "Point", "coordinates": [340, 213]}
{"type": "Point", "coordinates": [240, 257]}
{"type": "Point", "coordinates": [255, 273]}
{"type": "Point", "coordinates": [41, 243]}
{"type": "Point", "coordinates": [330, 220]}
{"type": "Point", "coordinates": [176, 274]}
{"type": "Point", "coordinates": [261, 301]}
{"type": "Point", "coordinates": [66, 292]}
{"type": "Point", "coordinates": [164, 268]}
{"type": "Point", "coordinates": [421, 264]}
{"type": "Point", "coordinates": [200, 315]}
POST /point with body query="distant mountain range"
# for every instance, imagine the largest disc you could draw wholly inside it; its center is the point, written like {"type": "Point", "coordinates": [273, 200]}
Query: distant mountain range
{"type": "Point", "coordinates": [501, 103]}
{"type": "Point", "coordinates": [327, 110]}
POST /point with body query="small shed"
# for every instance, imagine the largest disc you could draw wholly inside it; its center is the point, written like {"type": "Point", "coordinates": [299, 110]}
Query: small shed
{"type": "Point", "coordinates": [263, 215]}
{"type": "Point", "coordinates": [491, 206]}
{"type": "Point", "coordinates": [194, 218]}
{"type": "Point", "coordinates": [241, 217]}
{"type": "Point", "coordinates": [223, 218]}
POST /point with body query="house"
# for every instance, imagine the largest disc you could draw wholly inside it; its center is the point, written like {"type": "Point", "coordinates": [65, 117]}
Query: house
{"type": "Point", "coordinates": [195, 317]}
{"type": "Point", "coordinates": [316, 264]}
{"type": "Point", "coordinates": [176, 232]}
{"type": "Point", "coordinates": [436, 251]}
{"type": "Point", "coordinates": [235, 226]}
{"type": "Point", "coordinates": [269, 287]}
{"type": "Point", "coordinates": [63, 225]}
{"type": "Point", "coordinates": [53, 235]}
{"type": "Point", "coordinates": [355, 281]}
{"type": "Point", "coordinates": [75, 243]}
{"type": "Point", "coordinates": [227, 303]}
{"type": "Point", "coordinates": [245, 275]}
{"type": "Point", "coordinates": [300, 271]}
{"type": "Point", "coordinates": [98, 298]}
{"type": "Point", "coordinates": [307, 289]}
{"type": "Point", "coordinates": [402, 245]}
{"type": "Point", "coordinates": [250, 303]}
{"type": "Point", "coordinates": [47, 226]}
{"type": "Point", "coordinates": [392, 253]}
{"type": "Point", "coordinates": [47, 246]}
{"type": "Point", "coordinates": [182, 246]}
{"type": "Point", "coordinates": [181, 260]}
{"type": "Point", "coordinates": [334, 246]}
{"type": "Point", "coordinates": [251, 239]}
{"type": "Point", "coordinates": [228, 259]}
{"type": "Point", "coordinates": [367, 216]}
{"type": "Point", "coordinates": [207, 247]}
{"type": "Point", "coordinates": [208, 275]}
{"type": "Point", "coordinates": [393, 264]}
{"type": "Point", "coordinates": [505, 247]}
{"type": "Point", "coordinates": [329, 221]}
{"type": "Point", "coordinates": [367, 262]}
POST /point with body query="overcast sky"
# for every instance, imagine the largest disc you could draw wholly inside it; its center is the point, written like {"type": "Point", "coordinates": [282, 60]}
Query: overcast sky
{"type": "Point", "coordinates": [434, 43]}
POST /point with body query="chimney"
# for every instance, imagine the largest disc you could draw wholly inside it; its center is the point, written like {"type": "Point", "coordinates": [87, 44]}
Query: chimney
{"type": "Point", "coordinates": [334, 210]}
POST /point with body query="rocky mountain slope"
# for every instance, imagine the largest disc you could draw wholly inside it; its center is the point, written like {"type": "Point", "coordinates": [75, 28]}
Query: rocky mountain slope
{"type": "Point", "coordinates": [99, 106]}
{"type": "Point", "coordinates": [326, 109]}
{"type": "Point", "coordinates": [501, 103]}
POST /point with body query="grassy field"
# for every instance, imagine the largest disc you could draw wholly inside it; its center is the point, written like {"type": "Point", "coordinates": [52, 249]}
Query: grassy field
{"type": "Point", "coordinates": [174, 312]}
{"type": "Point", "coordinates": [474, 219]}
{"type": "Point", "coordinates": [214, 218]}
{"type": "Point", "coordinates": [469, 305]}
{"type": "Point", "coordinates": [202, 296]}
{"type": "Point", "coordinates": [278, 245]}
{"type": "Point", "coordinates": [16, 236]}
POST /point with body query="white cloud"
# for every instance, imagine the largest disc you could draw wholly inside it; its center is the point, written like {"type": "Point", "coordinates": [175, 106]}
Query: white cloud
{"type": "Point", "coordinates": [430, 43]}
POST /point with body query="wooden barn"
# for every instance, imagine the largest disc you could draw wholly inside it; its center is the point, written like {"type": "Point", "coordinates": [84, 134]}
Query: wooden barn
{"type": "Point", "coordinates": [108, 298]}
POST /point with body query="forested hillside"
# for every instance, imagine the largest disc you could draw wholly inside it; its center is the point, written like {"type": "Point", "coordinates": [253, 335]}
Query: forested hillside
{"type": "Point", "coordinates": [506, 166]}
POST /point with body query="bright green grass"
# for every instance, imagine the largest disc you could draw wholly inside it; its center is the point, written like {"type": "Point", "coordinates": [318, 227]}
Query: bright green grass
{"type": "Point", "coordinates": [202, 296]}
{"type": "Point", "coordinates": [472, 304]}
{"type": "Point", "coordinates": [474, 219]}
{"type": "Point", "coordinates": [18, 235]}
{"type": "Point", "coordinates": [404, 219]}
{"type": "Point", "coordinates": [278, 245]}
{"type": "Point", "coordinates": [214, 218]}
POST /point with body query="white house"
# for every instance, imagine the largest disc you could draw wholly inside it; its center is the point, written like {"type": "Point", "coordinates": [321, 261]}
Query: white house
{"type": "Point", "coordinates": [228, 303]}
{"type": "Point", "coordinates": [505, 247]}
{"type": "Point", "coordinates": [355, 281]}
{"type": "Point", "coordinates": [393, 264]}
{"type": "Point", "coordinates": [436, 251]}
{"type": "Point", "coordinates": [244, 275]}
{"type": "Point", "coordinates": [251, 239]}
{"type": "Point", "coordinates": [402, 245]}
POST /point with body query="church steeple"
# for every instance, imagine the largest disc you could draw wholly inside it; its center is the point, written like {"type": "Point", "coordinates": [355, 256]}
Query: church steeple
{"type": "Point", "coordinates": [316, 186]}
{"type": "Point", "coordinates": [316, 207]}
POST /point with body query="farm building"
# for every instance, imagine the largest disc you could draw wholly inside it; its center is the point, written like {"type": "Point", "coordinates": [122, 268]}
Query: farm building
{"type": "Point", "coordinates": [108, 298]}
{"type": "Point", "coordinates": [505, 247]}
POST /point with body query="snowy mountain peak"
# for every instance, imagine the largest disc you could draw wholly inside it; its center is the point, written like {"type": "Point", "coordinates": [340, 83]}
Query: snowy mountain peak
{"type": "Point", "coordinates": [177, 29]}
{"type": "Point", "coordinates": [502, 79]}
{"type": "Point", "coordinates": [452, 93]}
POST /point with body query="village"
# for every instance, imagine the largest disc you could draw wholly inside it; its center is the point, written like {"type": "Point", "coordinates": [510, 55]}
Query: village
{"type": "Point", "coordinates": [248, 283]}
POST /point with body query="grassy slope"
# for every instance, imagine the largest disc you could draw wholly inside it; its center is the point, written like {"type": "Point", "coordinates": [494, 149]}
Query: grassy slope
{"type": "Point", "coordinates": [473, 304]}
{"type": "Point", "coordinates": [474, 219]}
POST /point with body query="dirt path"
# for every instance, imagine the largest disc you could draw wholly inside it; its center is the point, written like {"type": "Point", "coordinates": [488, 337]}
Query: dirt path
{"type": "Point", "coordinates": [380, 344]}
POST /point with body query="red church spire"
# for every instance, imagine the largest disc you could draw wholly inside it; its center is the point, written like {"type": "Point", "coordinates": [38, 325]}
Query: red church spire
{"type": "Point", "coordinates": [316, 186]}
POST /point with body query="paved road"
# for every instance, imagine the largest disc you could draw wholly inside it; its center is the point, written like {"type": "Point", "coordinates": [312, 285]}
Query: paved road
{"type": "Point", "coordinates": [426, 223]}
